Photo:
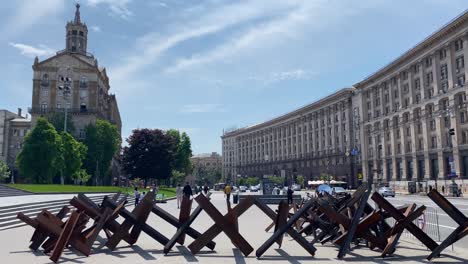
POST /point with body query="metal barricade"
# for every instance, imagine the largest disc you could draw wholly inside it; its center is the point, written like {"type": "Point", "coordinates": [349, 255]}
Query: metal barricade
{"type": "Point", "coordinates": [428, 222]}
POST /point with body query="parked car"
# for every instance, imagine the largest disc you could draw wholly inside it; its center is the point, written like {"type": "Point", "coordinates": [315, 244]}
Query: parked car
{"type": "Point", "coordinates": [338, 191]}
{"type": "Point", "coordinates": [242, 188]}
{"type": "Point", "coordinates": [386, 191]}
{"type": "Point", "coordinates": [296, 187]}
{"type": "Point", "coordinates": [254, 188]}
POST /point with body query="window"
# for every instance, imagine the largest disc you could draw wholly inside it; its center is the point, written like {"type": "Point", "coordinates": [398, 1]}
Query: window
{"type": "Point", "coordinates": [45, 80]}
{"type": "Point", "coordinates": [83, 94]}
{"type": "Point", "coordinates": [59, 105]}
{"type": "Point", "coordinates": [74, 32]}
{"type": "Point", "coordinates": [465, 137]}
{"type": "Point", "coordinates": [429, 77]}
{"type": "Point", "coordinates": [418, 98]}
{"type": "Point", "coordinates": [45, 92]}
{"type": "Point", "coordinates": [458, 44]}
{"type": "Point", "coordinates": [434, 142]}
{"type": "Point", "coordinates": [432, 124]}
{"type": "Point", "coordinates": [460, 63]}
{"type": "Point", "coordinates": [416, 68]}
{"type": "Point", "coordinates": [417, 83]}
{"type": "Point", "coordinates": [404, 75]}
{"type": "Point", "coordinates": [462, 117]}
{"type": "Point", "coordinates": [442, 54]}
{"type": "Point", "coordinates": [444, 86]}
{"type": "Point", "coordinates": [406, 88]}
{"type": "Point", "coordinates": [82, 134]}
{"type": "Point", "coordinates": [15, 132]}
{"type": "Point", "coordinates": [43, 107]}
{"type": "Point", "coordinates": [421, 144]}
{"type": "Point", "coordinates": [461, 80]}
{"type": "Point", "coordinates": [428, 62]}
{"type": "Point", "coordinates": [81, 33]}
{"type": "Point", "coordinates": [443, 72]}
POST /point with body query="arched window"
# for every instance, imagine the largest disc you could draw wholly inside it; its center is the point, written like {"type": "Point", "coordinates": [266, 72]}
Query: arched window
{"type": "Point", "coordinates": [45, 80]}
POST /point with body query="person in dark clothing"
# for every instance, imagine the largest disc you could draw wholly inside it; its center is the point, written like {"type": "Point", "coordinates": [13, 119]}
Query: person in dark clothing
{"type": "Point", "coordinates": [187, 190]}
{"type": "Point", "coordinates": [290, 195]}
{"type": "Point", "coordinates": [206, 189]}
{"type": "Point", "coordinates": [137, 196]}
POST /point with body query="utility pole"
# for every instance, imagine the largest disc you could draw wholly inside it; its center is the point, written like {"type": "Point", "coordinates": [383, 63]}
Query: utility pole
{"type": "Point", "coordinates": [66, 90]}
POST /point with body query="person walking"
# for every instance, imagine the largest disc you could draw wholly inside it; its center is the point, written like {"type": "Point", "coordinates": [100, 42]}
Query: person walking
{"type": "Point", "coordinates": [227, 192]}
{"type": "Point", "coordinates": [179, 195]}
{"type": "Point", "coordinates": [187, 190]}
{"type": "Point", "coordinates": [206, 189]}
{"type": "Point", "coordinates": [290, 195]}
{"type": "Point", "coordinates": [136, 193]}
{"type": "Point", "coordinates": [275, 191]}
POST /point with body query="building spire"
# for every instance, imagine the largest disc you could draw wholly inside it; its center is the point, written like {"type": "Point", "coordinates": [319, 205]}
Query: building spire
{"type": "Point", "coordinates": [77, 14]}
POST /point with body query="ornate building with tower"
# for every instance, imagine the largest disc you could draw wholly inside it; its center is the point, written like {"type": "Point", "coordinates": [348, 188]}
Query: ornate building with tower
{"type": "Point", "coordinates": [72, 82]}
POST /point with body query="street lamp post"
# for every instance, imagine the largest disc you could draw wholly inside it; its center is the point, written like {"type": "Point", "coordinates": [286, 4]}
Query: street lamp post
{"type": "Point", "coordinates": [66, 90]}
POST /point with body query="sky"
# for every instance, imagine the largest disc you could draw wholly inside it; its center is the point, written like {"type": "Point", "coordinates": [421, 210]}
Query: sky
{"type": "Point", "coordinates": [208, 65]}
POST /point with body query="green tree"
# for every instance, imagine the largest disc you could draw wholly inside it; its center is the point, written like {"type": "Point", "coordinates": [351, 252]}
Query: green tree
{"type": "Point", "coordinates": [103, 141]}
{"type": "Point", "coordinates": [177, 177]}
{"type": "Point", "coordinates": [183, 151]}
{"type": "Point", "coordinates": [252, 181]}
{"type": "Point", "coordinates": [40, 159]}
{"type": "Point", "coordinates": [300, 180]}
{"type": "Point", "coordinates": [4, 170]}
{"type": "Point", "coordinates": [74, 153]}
{"type": "Point", "coordinates": [57, 119]}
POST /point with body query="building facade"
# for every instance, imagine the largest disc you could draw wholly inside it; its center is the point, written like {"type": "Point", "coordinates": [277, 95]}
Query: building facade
{"type": "Point", "coordinates": [414, 113]}
{"type": "Point", "coordinates": [208, 161]}
{"type": "Point", "coordinates": [312, 141]}
{"type": "Point", "coordinates": [405, 123]}
{"type": "Point", "coordinates": [72, 81]}
{"type": "Point", "coordinates": [13, 129]}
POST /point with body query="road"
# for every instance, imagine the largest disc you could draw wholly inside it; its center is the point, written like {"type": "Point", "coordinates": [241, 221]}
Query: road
{"type": "Point", "coordinates": [446, 224]}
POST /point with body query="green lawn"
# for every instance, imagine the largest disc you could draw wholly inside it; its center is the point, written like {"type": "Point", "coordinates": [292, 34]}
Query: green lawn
{"type": "Point", "coordinates": [57, 188]}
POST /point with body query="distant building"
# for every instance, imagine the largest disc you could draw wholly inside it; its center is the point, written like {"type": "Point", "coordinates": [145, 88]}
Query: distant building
{"type": "Point", "coordinates": [209, 161]}
{"type": "Point", "coordinates": [311, 141]}
{"type": "Point", "coordinates": [72, 81]}
{"type": "Point", "coordinates": [13, 129]}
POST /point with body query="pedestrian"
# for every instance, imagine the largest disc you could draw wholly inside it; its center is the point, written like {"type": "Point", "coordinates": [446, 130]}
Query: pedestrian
{"type": "Point", "coordinates": [443, 189]}
{"type": "Point", "coordinates": [187, 190]}
{"type": "Point", "coordinates": [275, 191]}
{"type": "Point", "coordinates": [206, 189]}
{"type": "Point", "coordinates": [430, 187]}
{"type": "Point", "coordinates": [227, 192]}
{"type": "Point", "coordinates": [290, 195]}
{"type": "Point", "coordinates": [137, 196]}
{"type": "Point", "coordinates": [179, 194]}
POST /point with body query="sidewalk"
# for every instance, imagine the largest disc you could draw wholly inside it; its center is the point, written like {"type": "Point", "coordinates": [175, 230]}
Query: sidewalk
{"type": "Point", "coordinates": [14, 246]}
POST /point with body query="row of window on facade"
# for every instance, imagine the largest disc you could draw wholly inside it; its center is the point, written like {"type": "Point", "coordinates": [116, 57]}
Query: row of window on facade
{"type": "Point", "coordinates": [17, 132]}
{"type": "Point", "coordinates": [46, 82]}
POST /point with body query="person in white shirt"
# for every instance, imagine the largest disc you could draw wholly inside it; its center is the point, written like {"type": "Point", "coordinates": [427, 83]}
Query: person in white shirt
{"type": "Point", "coordinates": [179, 195]}
{"type": "Point", "coordinates": [137, 196]}
{"type": "Point", "coordinates": [275, 191]}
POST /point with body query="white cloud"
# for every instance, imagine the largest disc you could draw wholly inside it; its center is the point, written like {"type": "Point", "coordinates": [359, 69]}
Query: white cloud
{"type": "Point", "coordinates": [153, 45]}
{"type": "Point", "coordinates": [307, 16]}
{"type": "Point", "coordinates": [96, 28]}
{"type": "Point", "coordinates": [31, 51]}
{"type": "Point", "coordinates": [29, 13]}
{"type": "Point", "coordinates": [293, 74]}
{"type": "Point", "coordinates": [202, 108]}
{"type": "Point", "coordinates": [117, 7]}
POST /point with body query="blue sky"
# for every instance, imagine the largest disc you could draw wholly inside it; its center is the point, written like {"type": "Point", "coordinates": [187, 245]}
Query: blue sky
{"type": "Point", "coordinates": [201, 66]}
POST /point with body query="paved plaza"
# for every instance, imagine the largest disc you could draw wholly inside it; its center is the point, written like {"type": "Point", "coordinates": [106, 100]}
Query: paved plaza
{"type": "Point", "coordinates": [14, 246]}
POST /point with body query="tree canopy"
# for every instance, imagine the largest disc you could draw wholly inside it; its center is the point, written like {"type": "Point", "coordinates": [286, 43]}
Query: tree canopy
{"type": "Point", "coordinates": [74, 153]}
{"type": "Point", "coordinates": [183, 151]}
{"type": "Point", "coordinates": [4, 170]}
{"type": "Point", "coordinates": [150, 154]}
{"type": "Point", "coordinates": [103, 141]}
{"type": "Point", "coordinates": [57, 119]}
{"type": "Point", "coordinates": [40, 159]}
